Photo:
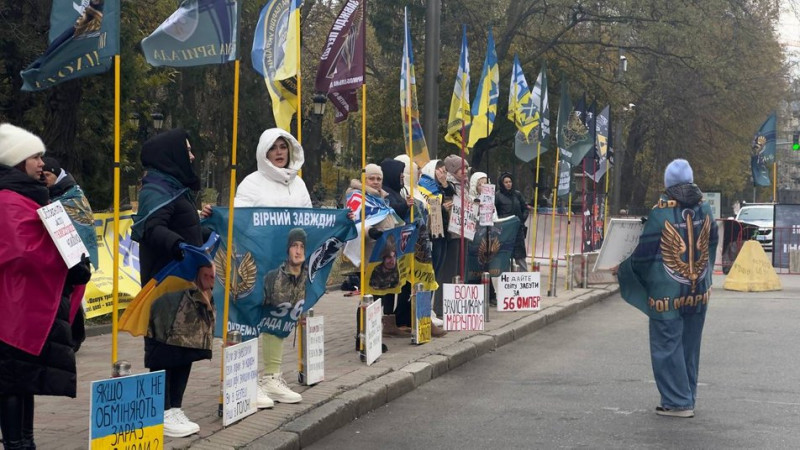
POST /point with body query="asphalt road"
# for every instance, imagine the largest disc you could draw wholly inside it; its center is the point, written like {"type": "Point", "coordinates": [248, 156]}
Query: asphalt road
{"type": "Point", "coordinates": [586, 382]}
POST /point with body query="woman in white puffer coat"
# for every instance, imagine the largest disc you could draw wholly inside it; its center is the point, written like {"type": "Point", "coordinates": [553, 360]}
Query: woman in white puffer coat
{"type": "Point", "coordinates": [275, 184]}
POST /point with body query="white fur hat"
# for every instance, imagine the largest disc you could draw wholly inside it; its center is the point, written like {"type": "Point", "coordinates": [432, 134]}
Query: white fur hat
{"type": "Point", "coordinates": [17, 145]}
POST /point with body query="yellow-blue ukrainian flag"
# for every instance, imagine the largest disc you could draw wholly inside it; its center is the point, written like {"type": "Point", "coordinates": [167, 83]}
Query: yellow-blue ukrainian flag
{"type": "Point", "coordinates": [175, 276]}
{"type": "Point", "coordinates": [275, 57]}
{"type": "Point", "coordinates": [460, 115]}
{"type": "Point", "coordinates": [521, 108]}
{"type": "Point", "coordinates": [409, 105]}
{"type": "Point", "coordinates": [484, 107]}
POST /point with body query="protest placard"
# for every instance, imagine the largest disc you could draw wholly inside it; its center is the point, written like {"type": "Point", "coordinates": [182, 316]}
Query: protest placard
{"type": "Point", "coordinates": [314, 350]}
{"type": "Point", "coordinates": [486, 206]}
{"type": "Point", "coordinates": [240, 381]}
{"type": "Point", "coordinates": [619, 243]}
{"type": "Point", "coordinates": [454, 226]}
{"type": "Point", "coordinates": [518, 291]}
{"type": "Point", "coordinates": [421, 326]}
{"type": "Point", "coordinates": [63, 232]}
{"type": "Point", "coordinates": [127, 412]}
{"type": "Point", "coordinates": [463, 307]}
{"type": "Point", "coordinates": [373, 331]}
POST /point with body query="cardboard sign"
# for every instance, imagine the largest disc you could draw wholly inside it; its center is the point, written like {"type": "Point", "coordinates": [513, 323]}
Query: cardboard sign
{"type": "Point", "coordinates": [620, 242]}
{"type": "Point", "coordinates": [314, 350]}
{"type": "Point", "coordinates": [240, 381]}
{"type": "Point", "coordinates": [463, 307]}
{"type": "Point", "coordinates": [486, 206]}
{"type": "Point", "coordinates": [66, 237]}
{"type": "Point", "coordinates": [127, 412]}
{"type": "Point", "coordinates": [374, 331]}
{"type": "Point", "coordinates": [518, 291]}
{"type": "Point", "coordinates": [454, 226]}
{"type": "Point", "coordinates": [421, 326]}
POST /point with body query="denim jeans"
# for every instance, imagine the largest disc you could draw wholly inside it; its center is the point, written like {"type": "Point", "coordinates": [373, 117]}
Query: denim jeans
{"type": "Point", "coordinates": [675, 355]}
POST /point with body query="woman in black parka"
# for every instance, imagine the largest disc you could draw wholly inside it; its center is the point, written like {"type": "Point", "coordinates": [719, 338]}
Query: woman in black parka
{"type": "Point", "coordinates": [167, 217]}
{"type": "Point", "coordinates": [509, 202]}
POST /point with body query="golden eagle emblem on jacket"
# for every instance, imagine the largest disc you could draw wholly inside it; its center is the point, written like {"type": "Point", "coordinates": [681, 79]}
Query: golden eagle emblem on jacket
{"type": "Point", "coordinates": [243, 273]}
{"type": "Point", "coordinates": [673, 249]}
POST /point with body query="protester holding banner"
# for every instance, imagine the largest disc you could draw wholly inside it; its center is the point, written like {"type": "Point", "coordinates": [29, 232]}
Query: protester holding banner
{"type": "Point", "coordinates": [180, 331]}
{"type": "Point", "coordinates": [166, 221]}
{"type": "Point", "coordinates": [668, 277]}
{"type": "Point", "coordinates": [397, 307]}
{"type": "Point", "coordinates": [509, 202]}
{"type": "Point", "coordinates": [458, 177]}
{"type": "Point", "coordinates": [435, 188]}
{"type": "Point", "coordinates": [279, 158]}
{"type": "Point", "coordinates": [39, 295]}
{"type": "Point", "coordinates": [63, 188]}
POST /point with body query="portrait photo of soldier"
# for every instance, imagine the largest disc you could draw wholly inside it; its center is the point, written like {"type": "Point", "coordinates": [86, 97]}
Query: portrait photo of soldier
{"type": "Point", "coordinates": [386, 274]}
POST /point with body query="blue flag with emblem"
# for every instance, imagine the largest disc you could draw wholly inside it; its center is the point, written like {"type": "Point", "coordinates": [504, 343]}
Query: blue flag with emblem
{"type": "Point", "coordinates": [763, 152]}
{"type": "Point", "coordinates": [523, 111]}
{"type": "Point", "coordinates": [83, 38]}
{"type": "Point", "coordinates": [492, 253]}
{"type": "Point", "coordinates": [200, 32]}
{"type": "Point", "coordinates": [269, 286]}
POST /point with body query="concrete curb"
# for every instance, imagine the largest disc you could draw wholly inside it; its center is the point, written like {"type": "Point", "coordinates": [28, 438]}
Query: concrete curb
{"type": "Point", "coordinates": [358, 400]}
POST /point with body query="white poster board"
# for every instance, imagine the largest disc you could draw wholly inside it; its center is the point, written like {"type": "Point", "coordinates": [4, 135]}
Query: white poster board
{"type": "Point", "coordinates": [518, 291]}
{"type": "Point", "coordinates": [127, 412]}
{"type": "Point", "coordinates": [486, 206]}
{"type": "Point", "coordinates": [314, 350]}
{"type": "Point", "coordinates": [463, 307]}
{"type": "Point", "coordinates": [714, 200]}
{"type": "Point", "coordinates": [454, 226]}
{"type": "Point", "coordinates": [619, 243]}
{"type": "Point", "coordinates": [240, 381]}
{"type": "Point", "coordinates": [66, 237]}
{"type": "Point", "coordinates": [373, 331]}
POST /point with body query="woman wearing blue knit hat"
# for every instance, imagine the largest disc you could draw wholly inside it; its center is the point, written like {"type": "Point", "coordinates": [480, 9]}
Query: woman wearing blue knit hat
{"type": "Point", "coordinates": [668, 277]}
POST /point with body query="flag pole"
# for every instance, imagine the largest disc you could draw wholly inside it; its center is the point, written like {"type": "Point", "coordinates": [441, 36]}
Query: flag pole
{"type": "Point", "coordinates": [410, 148]}
{"type": "Point", "coordinates": [363, 183]}
{"type": "Point", "coordinates": [299, 83]}
{"type": "Point", "coordinates": [553, 221]}
{"type": "Point", "coordinates": [535, 220]}
{"type": "Point", "coordinates": [605, 208]}
{"type": "Point", "coordinates": [115, 253]}
{"type": "Point", "coordinates": [775, 182]}
{"type": "Point", "coordinates": [569, 215]}
{"type": "Point", "coordinates": [229, 240]}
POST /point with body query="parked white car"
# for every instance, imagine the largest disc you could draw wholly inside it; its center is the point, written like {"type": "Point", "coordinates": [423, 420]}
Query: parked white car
{"type": "Point", "coordinates": [761, 215]}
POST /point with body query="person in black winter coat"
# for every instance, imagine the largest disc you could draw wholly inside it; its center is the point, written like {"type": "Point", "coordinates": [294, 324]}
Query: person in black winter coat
{"type": "Point", "coordinates": [167, 212]}
{"type": "Point", "coordinates": [509, 202]}
{"type": "Point", "coordinates": [167, 217]}
{"type": "Point", "coordinates": [393, 173]}
{"type": "Point", "coordinates": [38, 294]}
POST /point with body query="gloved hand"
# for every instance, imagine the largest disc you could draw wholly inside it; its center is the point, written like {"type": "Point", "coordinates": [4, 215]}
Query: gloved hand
{"type": "Point", "coordinates": [375, 233]}
{"type": "Point", "coordinates": [80, 273]}
{"type": "Point", "coordinates": [177, 251]}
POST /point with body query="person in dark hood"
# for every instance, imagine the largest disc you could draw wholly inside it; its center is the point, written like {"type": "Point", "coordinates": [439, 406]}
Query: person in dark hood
{"type": "Point", "coordinates": [668, 277]}
{"type": "Point", "coordinates": [167, 218]}
{"type": "Point", "coordinates": [509, 202]}
{"type": "Point", "coordinates": [63, 188]}
{"type": "Point", "coordinates": [167, 213]}
{"type": "Point", "coordinates": [393, 173]}
{"type": "Point", "coordinates": [39, 295]}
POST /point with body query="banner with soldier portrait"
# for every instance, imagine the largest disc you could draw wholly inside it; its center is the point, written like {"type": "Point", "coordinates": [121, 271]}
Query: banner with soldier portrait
{"type": "Point", "coordinates": [493, 253]}
{"type": "Point", "coordinates": [389, 264]}
{"type": "Point", "coordinates": [281, 261]}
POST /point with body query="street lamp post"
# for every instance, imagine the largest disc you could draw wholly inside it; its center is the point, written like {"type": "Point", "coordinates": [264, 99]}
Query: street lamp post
{"type": "Point", "coordinates": [313, 172]}
{"type": "Point", "coordinates": [618, 147]}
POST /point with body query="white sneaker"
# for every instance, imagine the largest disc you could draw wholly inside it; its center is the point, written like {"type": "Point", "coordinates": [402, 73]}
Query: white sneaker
{"type": "Point", "coordinates": [275, 386]}
{"type": "Point", "coordinates": [436, 320]}
{"type": "Point", "coordinates": [263, 400]}
{"type": "Point", "coordinates": [177, 425]}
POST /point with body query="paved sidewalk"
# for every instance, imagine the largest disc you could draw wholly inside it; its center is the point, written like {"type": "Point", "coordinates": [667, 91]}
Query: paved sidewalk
{"type": "Point", "coordinates": [350, 389]}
